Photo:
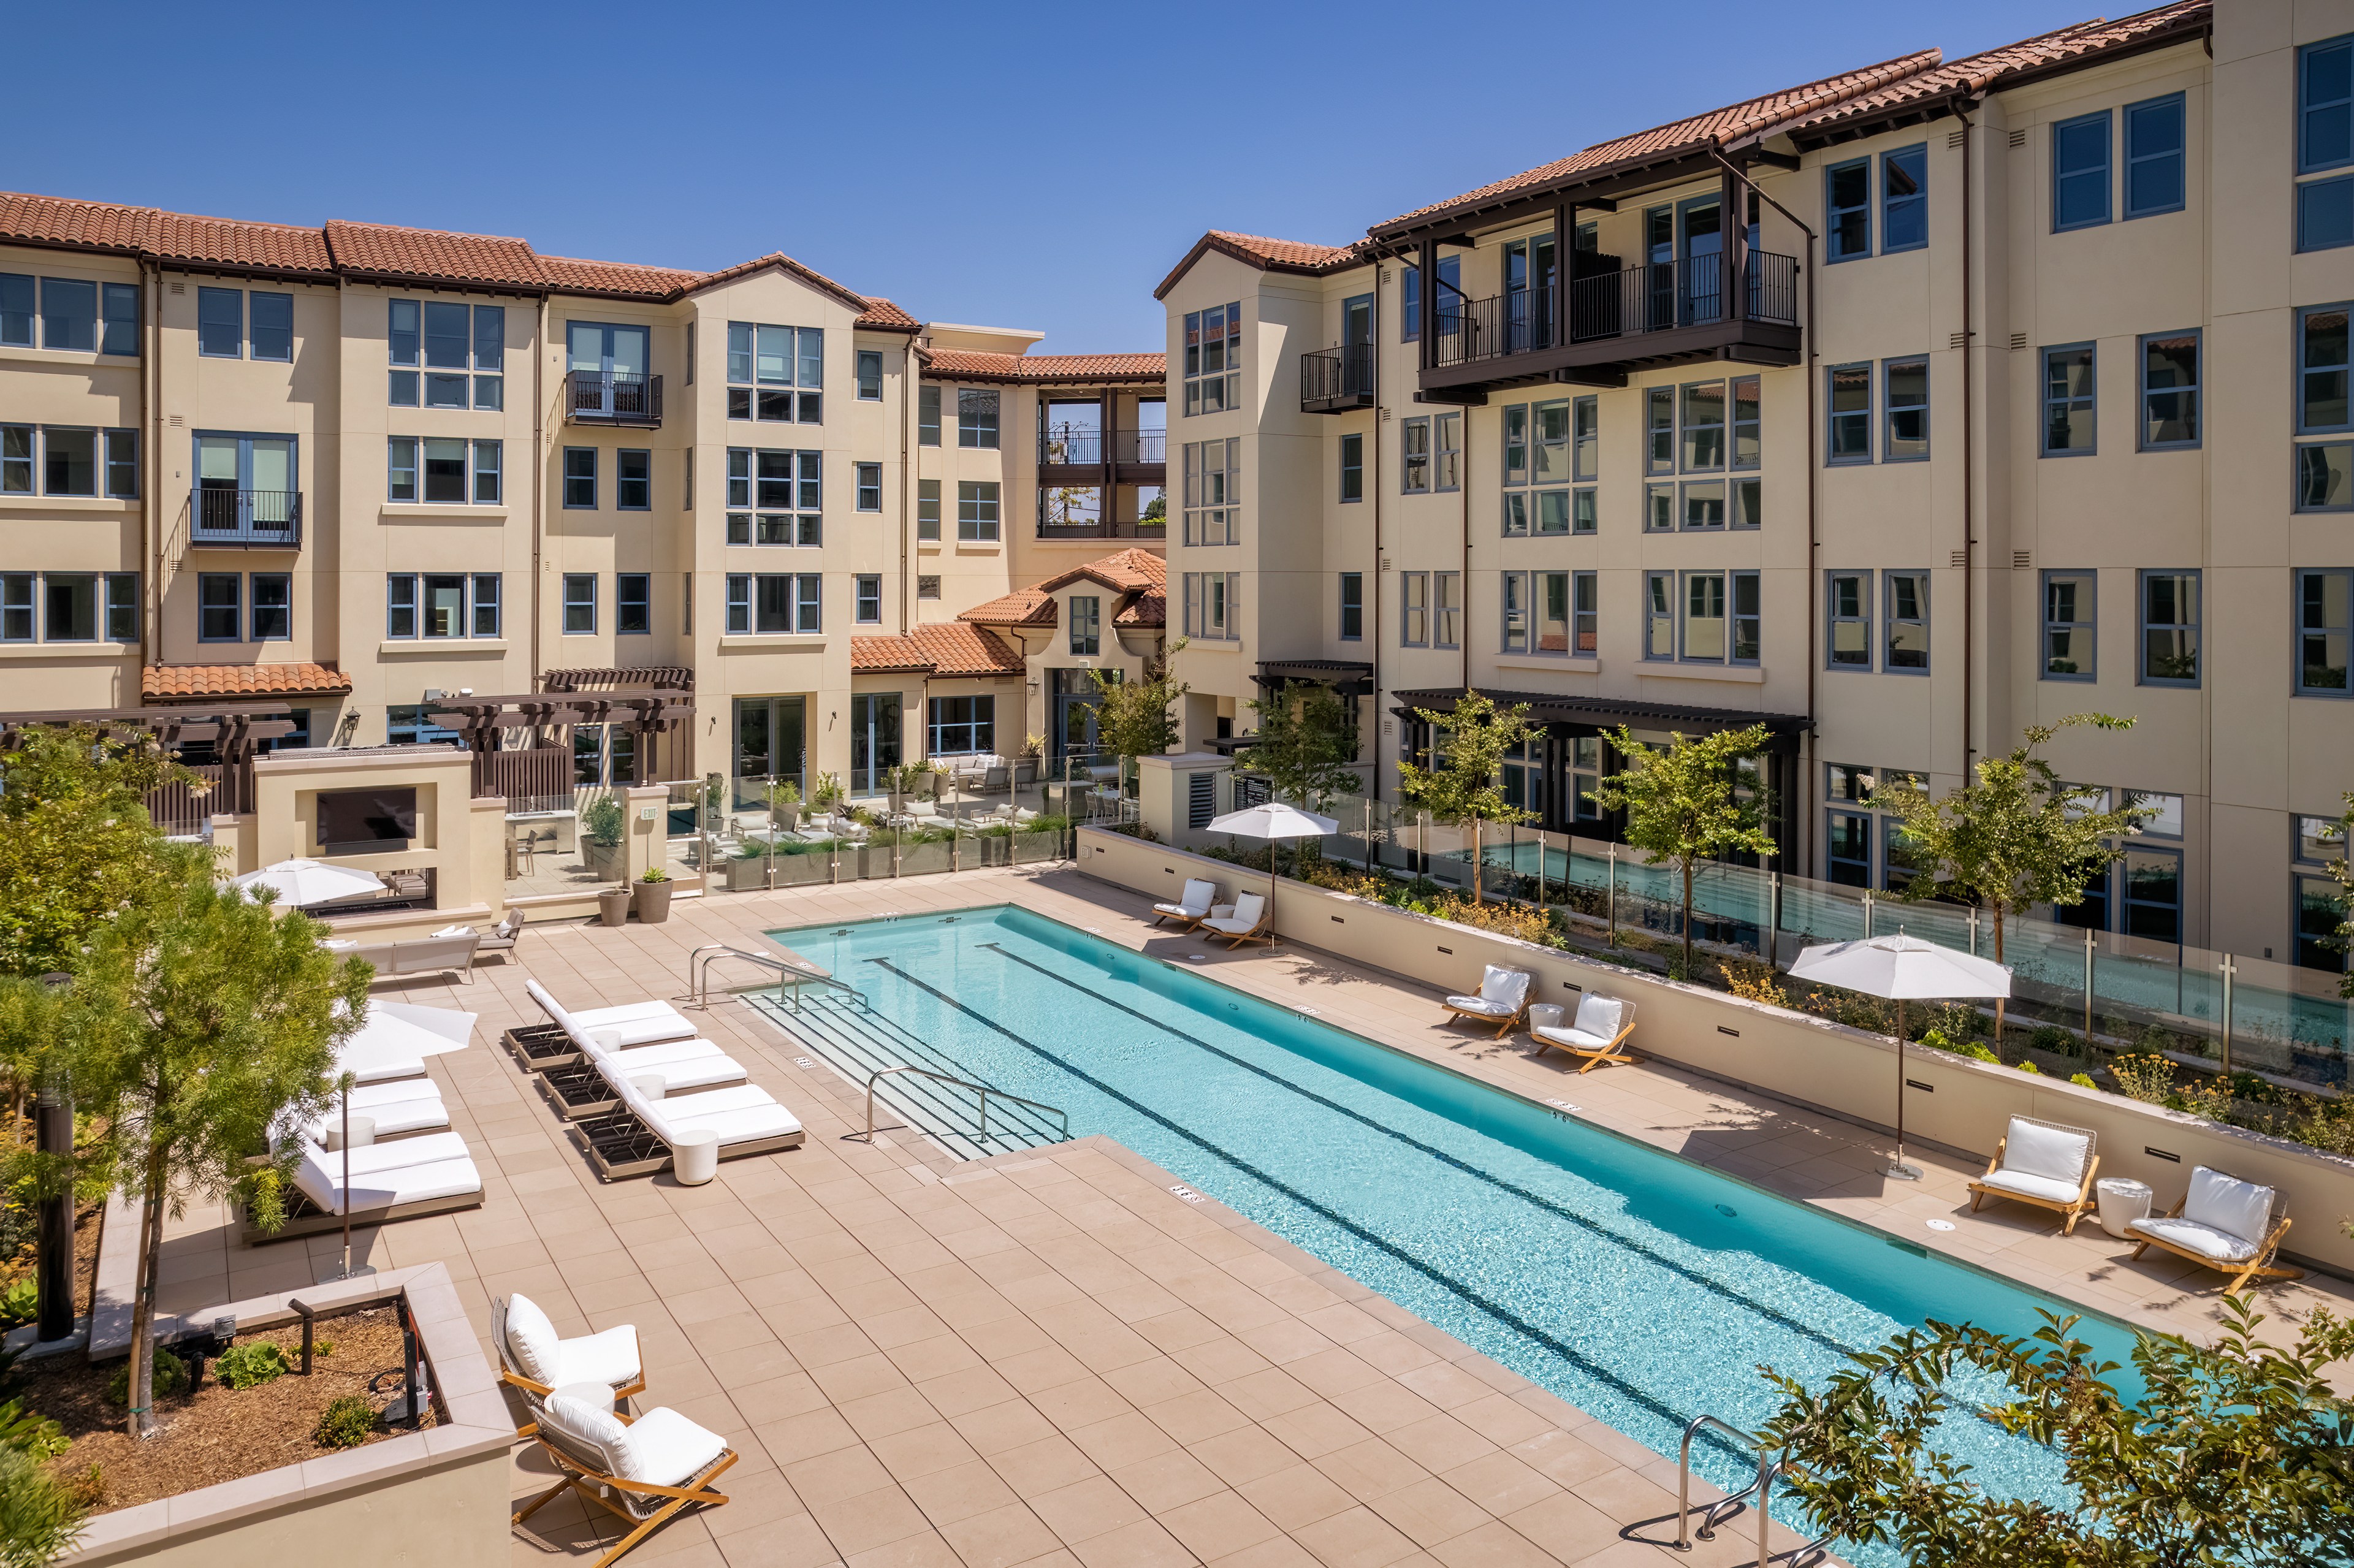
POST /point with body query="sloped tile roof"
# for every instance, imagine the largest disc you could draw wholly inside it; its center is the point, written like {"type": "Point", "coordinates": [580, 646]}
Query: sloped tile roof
{"type": "Point", "coordinates": [939, 647]}
{"type": "Point", "coordinates": [964, 365]}
{"type": "Point", "coordinates": [1144, 610]}
{"type": "Point", "coordinates": [1996, 68]}
{"type": "Point", "coordinates": [568, 272]}
{"type": "Point", "coordinates": [177, 682]}
{"type": "Point", "coordinates": [383, 251]}
{"type": "Point", "coordinates": [882, 315]}
{"type": "Point", "coordinates": [1717, 127]}
{"type": "Point", "coordinates": [1269, 255]}
{"type": "Point", "coordinates": [1130, 571]}
{"type": "Point", "coordinates": [170, 236]}
{"type": "Point", "coordinates": [1136, 576]}
{"type": "Point", "coordinates": [1022, 607]}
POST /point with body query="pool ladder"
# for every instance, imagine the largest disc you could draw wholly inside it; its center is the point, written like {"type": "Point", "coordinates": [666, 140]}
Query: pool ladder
{"type": "Point", "coordinates": [698, 974]}
{"type": "Point", "coordinates": [983, 1090]}
{"type": "Point", "coordinates": [1724, 1508]}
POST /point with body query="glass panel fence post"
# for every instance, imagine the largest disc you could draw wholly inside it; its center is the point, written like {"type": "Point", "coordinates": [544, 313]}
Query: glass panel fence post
{"type": "Point", "coordinates": [1773, 919]}
{"type": "Point", "coordinates": [2089, 942]}
{"type": "Point", "coordinates": [1369, 835]}
{"type": "Point", "coordinates": [2227, 969]}
{"type": "Point", "coordinates": [1612, 911]}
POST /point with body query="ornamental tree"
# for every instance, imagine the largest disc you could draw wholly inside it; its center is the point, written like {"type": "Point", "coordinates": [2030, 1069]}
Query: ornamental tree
{"type": "Point", "coordinates": [1135, 718]}
{"type": "Point", "coordinates": [1307, 746]}
{"type": "Point", "coordinates": [1685, 804]}
{"type": "Point", "coordinates": [1466, 782]}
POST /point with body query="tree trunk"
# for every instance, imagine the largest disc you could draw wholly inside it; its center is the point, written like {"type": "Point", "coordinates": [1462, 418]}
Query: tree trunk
{"type": "Point", "coordinates": [1474, 860]}
{"type": "Point", "coordinates": [1688, 879]}
{"type": "Point", "coordinates": [139, 1393]}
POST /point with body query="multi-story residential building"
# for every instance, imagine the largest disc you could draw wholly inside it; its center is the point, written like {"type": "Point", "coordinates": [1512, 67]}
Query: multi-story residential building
{"type": "Point", "coordinates": [380, 473]}
{"type": "Point", "coordinates": [1898, 411]}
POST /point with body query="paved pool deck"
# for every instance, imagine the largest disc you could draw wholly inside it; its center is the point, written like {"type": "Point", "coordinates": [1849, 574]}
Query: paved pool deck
{"type": "Point", "coordinates": [1051, 1357]}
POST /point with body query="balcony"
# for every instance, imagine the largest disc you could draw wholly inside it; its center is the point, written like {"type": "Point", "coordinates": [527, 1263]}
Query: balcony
{"type": "Point", "coordinates": [612, 398]}
{"type": "Point", "coordinates": [1148, 529]}
{"type": "Point", "coordinates": [1074, 454]}
{"type": "Point", "coordinates": [266, 519]}
{"type": "Point", "coordinates": [1334, 380]}
{"type": "Point", "coordinates": [1631, 318]}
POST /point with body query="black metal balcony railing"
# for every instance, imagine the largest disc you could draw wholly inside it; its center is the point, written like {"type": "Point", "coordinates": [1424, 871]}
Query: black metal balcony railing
{"type": "Point", "coordinates": [1141, 447]}
{"type": "Point", "coordinates": [1334, 378]}
{"type": "Point", "coordinates": [1082, 446]}
{"type": "Point", "coordinates": [1656, 297]}
{"type": "Point", "coordinates": [224, 516]}
{"type": "Point", "coordinates": [1092, 528]}
{"type": "Point", "coordinates": [612, 398]}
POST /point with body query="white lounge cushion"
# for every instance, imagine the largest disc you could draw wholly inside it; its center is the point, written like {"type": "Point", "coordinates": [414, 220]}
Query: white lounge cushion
{"type": "Point", "coordinates": [532, 1343]}
{"type": "Point", "coordinates": [637, 1022]}
{"type": "Point", "coordinates": [2031, 1149]}
{"type": "Point", "coordinates": [1577, 1039]}
{"type": "Point", "coordinates": [319, 1174]}
{"type": "Point", "coordinates": [664, 1448]}
{"type": "Point", "coordinates": [1509, 986]}
{"type": "Point", "coordinates": [1193, 903]}
{"type": "Point", "coordinates": [2228, 1204]}
{"type": "Point", "coordinates": [1481, 1005]}
{"type": "Point", "coordinates": [386, 1069]}
{"type": "Point", "coordinates": [1600, 1015]}
{"type": "Point", "coordinates": [406, 1105]}
{"type": "Point", "coordinates": [740, 1115]}
{"type": "Point", "coordinates": [455, 932]}
{"type": "Point", "coordinates": [378, 1157]}
{"type": "Point", "coordinates": [2028, 1184]}
{"type": "Point", "coordinates": [1248, 911]}
{"type": "Point", "coordinates": [610, 1357]}
{"type": "Point", "coordinates": [681, 1065]}
{"type": "Point", "coordinates": [2208, 1242]}
{"type": "Point", "coordinates": [595, 1435]}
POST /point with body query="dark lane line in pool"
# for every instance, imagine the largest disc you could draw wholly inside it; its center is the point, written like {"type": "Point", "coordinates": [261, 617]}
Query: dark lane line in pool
{"type": "Point", "coordinates": [1495, 1310]}
{"type": "Point", "coordinates": [1551, 1206]}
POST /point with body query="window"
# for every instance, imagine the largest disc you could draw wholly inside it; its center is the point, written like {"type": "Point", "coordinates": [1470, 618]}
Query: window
{"type": "Point", "coordinates": [1904, 199]}
{"type": "Point", "coordinates": [1353, 467]}
{"type": "Point", "coordinates": [870, 376]}
{"type": "Point", "coordinates": [1905, 387]}
{"type": "Point", "coordinates": [2170, 390]}
{"type": "Point", "coordinates": [633, 613]}
{"type": "Point", "coordinates": [1703, 507]}
{"type": "Point", "coordinates": [1087, 626]}
{"type": "Point", "coordinates": [1449, 472]}
{"type": "Point", "coordinates": [579, 602]}
{"type": "Point", "coordinates": [927, 509]}
{"type": "Point", "coordinates": [220, 324]}
{"type": "Point", "coordinates": [119, 328]}
{"type": "Point", "coordinates": [2069, 645]}
{"type": "Point", "coordinates": [1414, 622]}
{"type": "Point", "coordinates": [403, 334]}
{"type": "Point", "coordinates": [780, 603]}
{"type": "Point", "coordinates": [689, 376]}
{"type": "Point", "coordinates": [17, 292]}
{"type": "Point", "coordinates": [868, 599]}
{"type": "Point", "coordinates": [1847, 849]}
{"type": "Point", "coordinates": [1747, 422]}
{"type": "Point", "coordinates": [2325, 476]}
{"type": "Point", "coordinates": [2325, 140]}
{"type": "Point", "coordinates": [976, 509]}
{"type": "Point", "coordinates": [1585, 426]}
{"type": "Point", "coordinates": [1705, 627]}
{"type": "Point", "coordinates": [928, 587]}
{"type": "Point", "coordinates": [1659, 615]}
{"type": "Point", "coordinates": [74, 607]}
{"type": "Point", "coordinates": [1658, 508]}
{"type": "Point", "coordinates": [70, 315]}
{"type": "Point", "coordinates": [2169, 629]}
{"type": "Point", "coordinates": [1553, 454]}
{"type": "Point", "coordinates": [1904, 648]}
{"type": "Point", "coordinates": [1660, 430]}
{"type": "Point", "coordinates": [580, 478]}
{"type": "Point", "coordinates": [1851, 413]}
{"type": "Point", "coordinates": [69, 461]}
{"type": "Point", "coordinates": [486, 604]}
{"type": "Point", "coordinates": [2323, 626]}
{"type": "Point", "coordinates": [1353, 607]}
{"type": "Point", "coordinates": [2079, 172]}
{"type": "Point", "coordinates": [1447, 609]}
{"type": "Point", "coordinates": [16, 607]}
{"type": "Point", "coordinates": [962, 726]}
{"type": "Point", "coordinates": [633, 481]}
{"type": "Point", "coordinates": [1847, 201]}
{"type": "Point", "coordinates": [16, 460]}
{"type": "Point", "coordinates": [1586, 610]}
{"type": "Point", "coordinates": [870, 487]}
{"type": "Point", "coordinates": [1213, 358]}
{"type": "Point", "coordinates": [399, 606]}
{"type": "Point", "coordinates": [487, 457]}
{"type": "Point", "coordinates": [1212, 491]}
{"type": "Point", "coordinates": [2321, 369]}
{"type": "Point", "coordinates": [220, 607]}
{"type": "Point", "coordinates": [776, 373]}
{"type": "Point", "coordinates": [2325, 215]}
{"type": "Point", "coordinates": [273, 326]}
{"type": "Point", "coordinates": [1850, 620]}
{"type": "Point", "coordinates": [273, 607]}
{"type": "Point", "coordinates": [776, 482]}
{"type": "Point", "coordinates": [1214, 602]}
{"type": "Point", "coordinates": [1414, 476]}
{"type": "Point", "coordinates": [2154, 157]}
{"type": "Point", "coordinates": [1516, 444]}
{"type": "Point", "coordinates": [1516, 514]}
{"type": "Point", "coordinates": [1409, 303]}
{"type": "Point", "coordinates": [2068, 400]}
{"type": "Point", "coordinates": [1585, 513]}
{"type": "Point", "coordinates": [434, 605]}
{"type": "Point", "coordinates": [1703, 427]}
{"type": "Point", "coordinates": [447, 340]}
{"type": "Point", "coordinates": [977, 418]}
{"type": "Point", "coordinates": [928, 416]}
{"type": "Point", "coordinates": [70, 606]}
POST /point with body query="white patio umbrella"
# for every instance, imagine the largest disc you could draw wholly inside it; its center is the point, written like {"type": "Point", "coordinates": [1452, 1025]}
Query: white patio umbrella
{"type": "Point", "coordinates": [302, 883]}
{"type": "Point", "coordinates": [1901, 968]}
{"type": "Point", "coordinates": [1271, 821]}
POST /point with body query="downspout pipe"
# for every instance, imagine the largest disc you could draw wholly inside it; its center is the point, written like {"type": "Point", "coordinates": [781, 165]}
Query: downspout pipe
{"type": "Point", "coordinates": [1969, 451]}
{"type": "Point", "coordinates": [151, 521]}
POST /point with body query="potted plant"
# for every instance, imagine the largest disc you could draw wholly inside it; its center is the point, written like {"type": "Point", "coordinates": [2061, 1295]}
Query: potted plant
{"type": "Point", "coordinates": [827, 793]}
{"type": "Point", "coordinates": [747, 868]}
{"type": "Point", "coordinates": [785, 804]}
{"type": "Point", "coordinates": [936, 776]}
{"type": "Point", "coordinates": [1025, 766]}
{"type": "Point", "coordinates": [602, 826]}
{"type": "Point", "coordinates": [613, 906]}
{"type": "Point", "coordinates": [653, 896]}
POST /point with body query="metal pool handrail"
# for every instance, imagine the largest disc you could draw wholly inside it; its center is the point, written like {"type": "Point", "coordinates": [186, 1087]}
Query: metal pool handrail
{"type": "Point", "coordinates": [698, 974]}
{"type": "Point", "coordinates": [983, 1090]}
{"type": "Point", "coordinates": [1724, 1508]}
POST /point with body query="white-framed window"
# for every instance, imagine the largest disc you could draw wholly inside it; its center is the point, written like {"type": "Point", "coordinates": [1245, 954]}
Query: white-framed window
{"type": "Point", "coordinates": [776, 373]}
{"type": "Point", "coordinates": [1212, 491]}
{"type": "Point", "coordinates": [1214, 357]}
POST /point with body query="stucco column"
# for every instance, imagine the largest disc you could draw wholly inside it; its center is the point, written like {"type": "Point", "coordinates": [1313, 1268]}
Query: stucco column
{"type": "Point", "coordinates": [233, 846]}
{"type": "Point", "coordinates": [487, 855]}
{"type": "Point", "coordinates": [646, 808]}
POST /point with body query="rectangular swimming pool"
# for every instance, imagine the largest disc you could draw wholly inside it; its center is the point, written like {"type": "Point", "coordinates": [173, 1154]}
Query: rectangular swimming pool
{"type": "Point", "coordinates": [1640, 1288]}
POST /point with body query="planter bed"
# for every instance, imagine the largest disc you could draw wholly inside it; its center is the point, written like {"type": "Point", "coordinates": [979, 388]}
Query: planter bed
{"type": "Point", "coordinates": [540, 1046]}
{"type": "Point", "coordinates": [217, 1434]}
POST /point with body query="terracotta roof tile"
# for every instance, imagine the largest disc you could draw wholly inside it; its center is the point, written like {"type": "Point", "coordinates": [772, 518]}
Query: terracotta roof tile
{"type": "Point", "coordinates": [617, 276]}
{"type": "Point", "coordinates": [173, 235]}
{"type": "Point", "coordinates": [1022, 607]}
{"type": "Point", "coordinates": [1145, 609]}
{"type": "Point", "coordinates": [1717, 127]}
{"type": "Point", "coordinates": [383, 251]}
{"type": "Point", "coordinates": [1138, 577]}
{"type": "Point", "coordinates": [1130, 571]}
{"type": "Point", "coordinates": [1993, 70]}
{"type": "Point", "coordinates": [177, 682]}
{"type": "Point", "coordinates": [939, 647]}
{"type": "Point", "coordinates": [882, 315]}
{"type": "Point", "coordinates": [1270, 255]}
{"type": "Point", "coordinates": [963, 364]}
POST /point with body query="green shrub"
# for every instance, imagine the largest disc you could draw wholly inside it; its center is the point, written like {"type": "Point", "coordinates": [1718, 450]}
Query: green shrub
{"type": "Point", "coordinates": [345, 1424]}
{"type": "Point", "coordinates": [2027, 1067]}
{"type": "Point", "coordinates": [2054, 1039]}
{"type": "Point", "coordinates": [29, 1432]}
{"type": "Point", "coordinates": [602, 823]}
{"type": "Point", "coordinates": [2082, 1081]}
{"type": "Point", "coordinates": [171, 1377]}
{"type": "Point", "coordinates": [21, 1303]}
{"type": "Point", "coordinates": [255, 1361]}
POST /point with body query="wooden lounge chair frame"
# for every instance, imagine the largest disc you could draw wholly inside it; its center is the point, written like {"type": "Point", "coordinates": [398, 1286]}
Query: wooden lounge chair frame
{"type": "Point", "coordinates": [536, 1392]}
{"type": "Point", "coordinates": [620, 1146]}
{"type": "Point", "coordinates": [1610, 1056]}
{"type": "Point", "coordinates": [2070, 1210]}
{"type": "Point", "coordinates": [593, 1485]}
{"type": "Point", "coordinates": [304, 1218]}
{"type": "Point", "coordinates": [2259, 1265]}
{"type": "Point", "coordinates": [1504, 1026]}
{"type": "Point", "coordinates": [1187, 922]}
{"type": "Point", "coordinates": [536, 1047]}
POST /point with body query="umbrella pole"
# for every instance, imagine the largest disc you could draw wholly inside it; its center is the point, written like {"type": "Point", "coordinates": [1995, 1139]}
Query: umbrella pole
{"type": "Point", "coordinates": [1899, 1171]}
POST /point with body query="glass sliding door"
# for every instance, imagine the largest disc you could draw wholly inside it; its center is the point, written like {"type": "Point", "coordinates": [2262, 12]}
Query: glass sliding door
{"type": "Point", "coordinates": [874, 740]}
{"type": "Point", "coordinates": [769, 744]}
{"type": "Point", "coordinates": [1703, 261]}
{"type": "Point", "coordinates": [245, 484]}
{"type": "Point", "coordinates": [609, 364]}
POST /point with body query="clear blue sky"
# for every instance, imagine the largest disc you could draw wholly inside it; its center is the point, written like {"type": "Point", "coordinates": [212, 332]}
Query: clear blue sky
{"type": "Point", "coordinates": [1007, 165]}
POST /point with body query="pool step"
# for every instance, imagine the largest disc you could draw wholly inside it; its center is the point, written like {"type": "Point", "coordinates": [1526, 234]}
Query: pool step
{"type": "Point", "coordinates": [855, 1042]}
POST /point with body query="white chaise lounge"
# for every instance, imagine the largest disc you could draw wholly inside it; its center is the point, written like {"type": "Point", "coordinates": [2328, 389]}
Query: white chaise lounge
{"type": "Point", "coordinates": [2225, 1223]}
{"type": "Point", "coordinates": [410, 1177]}
{"type": "Point", "coordinates": [637, 1022]}
{"type": "Point", "coordinates": [2042, 1162]}
{"type": "Point", "coordinates": [587, 1089]}
{"type": "Point", "coordinates": [1503, 997]}
{"type": "Point", "coordinates": [636, 1138]}
{"type": "Point", "coordinates": [397, 1107]}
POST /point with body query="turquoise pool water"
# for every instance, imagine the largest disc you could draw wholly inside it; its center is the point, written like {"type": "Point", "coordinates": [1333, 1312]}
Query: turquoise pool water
{"type": "Point", "coordinates": [1640, 1288]}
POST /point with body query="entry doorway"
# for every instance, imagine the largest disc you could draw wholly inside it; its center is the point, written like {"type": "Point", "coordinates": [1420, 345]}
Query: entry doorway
{"type": "Point", "coordinates": [874, 740]}
{"type": "Point", "coordinates": [769, 743]}
{"type": "Point", "coordinates": [1076, 699]}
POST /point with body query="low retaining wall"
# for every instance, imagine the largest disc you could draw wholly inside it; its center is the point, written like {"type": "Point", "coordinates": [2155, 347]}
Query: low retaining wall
{"type": "Point", "coordinates": [1957, 1101]}
{"type": "Point", "coordinates": [438, 1496]}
